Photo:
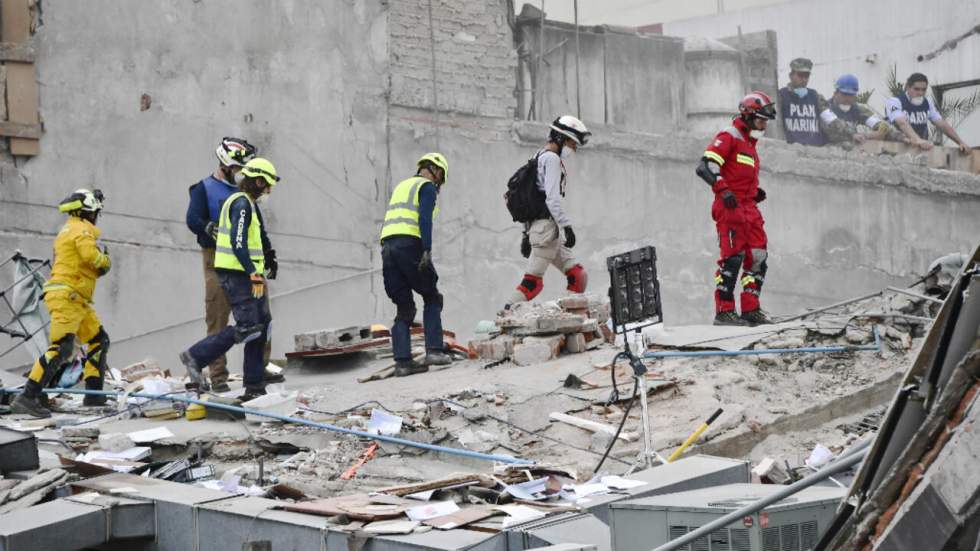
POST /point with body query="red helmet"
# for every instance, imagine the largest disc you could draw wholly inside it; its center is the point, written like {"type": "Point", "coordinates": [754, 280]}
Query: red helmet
{"type": "Point", "coordinates": [757, 104]}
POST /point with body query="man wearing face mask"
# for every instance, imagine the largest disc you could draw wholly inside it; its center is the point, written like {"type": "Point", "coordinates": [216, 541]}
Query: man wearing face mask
{"type": "Point", "coordinates": [241, 263]}
{"type": "Point", "coordinates": [206, 198]}
{"type": "Point", "coordinates": [912, 110]}
{"type": "Point", "coordinates": [549, 237]}
{"type": "Point", "coordinates": [803, 109]}
{"type": "Point", "coordinates": [853, 115]}
{"type": "Point", "coordinates": [730, 165]}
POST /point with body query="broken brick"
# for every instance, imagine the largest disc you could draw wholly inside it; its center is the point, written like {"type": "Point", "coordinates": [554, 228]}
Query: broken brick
{"type": "Point", "coordinates": [575, 343]}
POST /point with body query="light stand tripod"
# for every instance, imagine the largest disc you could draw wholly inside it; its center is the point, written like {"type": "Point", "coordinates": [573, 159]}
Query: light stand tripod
{"type": "Point", "coordinates": [634, 295]}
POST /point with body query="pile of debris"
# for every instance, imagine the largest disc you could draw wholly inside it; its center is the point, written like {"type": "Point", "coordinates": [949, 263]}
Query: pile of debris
{"type": "Point", "coordinates": [529, 333]}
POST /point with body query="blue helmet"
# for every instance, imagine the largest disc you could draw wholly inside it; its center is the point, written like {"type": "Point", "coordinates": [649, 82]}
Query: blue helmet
{"type": "Point", "coordinates": [847, 84]}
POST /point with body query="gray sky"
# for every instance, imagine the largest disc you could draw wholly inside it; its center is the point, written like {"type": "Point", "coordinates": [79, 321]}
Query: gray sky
{"type": "Point", "coordinates": [635, 13]}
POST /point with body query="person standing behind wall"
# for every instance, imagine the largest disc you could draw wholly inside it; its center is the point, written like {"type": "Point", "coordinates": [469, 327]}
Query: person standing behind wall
{"type": "Point", "coordinates": [911, 112]}
{"type": "Point", "coordinates": [206, 199]}
{"type": "Point", "coordinates": [854, 115]}
{"type": "Point", "coordinates": [802, 109]}
{"type": "Point", "coordinates": [542, 243]}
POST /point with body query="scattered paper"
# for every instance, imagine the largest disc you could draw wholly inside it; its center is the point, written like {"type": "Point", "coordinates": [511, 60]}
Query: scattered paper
{"type": "Point", "coordinates": [432, 510]}
{"type": "Point", "coordinates": [132, 454]}
{"type": "Point", "coordinates": [150, 435]}
{"type": "Point", "coordinates": [519, 514]}
{"type": "Point", "coordinates": [532, 490]}
{"type": "Point", "coordinates": [384, 423]}
{"type": "Point", "coordinates": [579, 491]}
{"type": "Point", "coordinates": [391, 527]}
{"type": "Point", "coordinates": [422, 496]}
{"type": "Point", "coordinates": [620, 483]}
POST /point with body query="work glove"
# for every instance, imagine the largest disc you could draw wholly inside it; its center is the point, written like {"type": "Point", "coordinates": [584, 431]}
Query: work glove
{"type": "Point", "coordinates": [728, 199]}
{"type": "Point", "coordinates": [108, 262]}
{"type": "Point", "coordinates": [569, 237]}
{"type": "Point", "coordinates": [271, 264]}
{"type": "Point", "coordinates": [760, 195]}
{"type": "Point", "coordinates": [526, 246]}
{"type": "Point", "coordinates": [425, 263]}
{"type": "Point", "coordinates": [212, 230]}
{"type": "Point", "coordinates": [258, 286]}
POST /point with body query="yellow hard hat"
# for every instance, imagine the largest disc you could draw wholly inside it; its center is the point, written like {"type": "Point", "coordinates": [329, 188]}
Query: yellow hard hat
{"type": "Point", "coordinates": [437, 159]}
{"type": "Point", "coordinates": [261, 167]}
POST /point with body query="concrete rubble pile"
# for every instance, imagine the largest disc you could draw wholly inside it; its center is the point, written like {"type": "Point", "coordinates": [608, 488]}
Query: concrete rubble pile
{"type": "Point", "coordinates": [529, 333]}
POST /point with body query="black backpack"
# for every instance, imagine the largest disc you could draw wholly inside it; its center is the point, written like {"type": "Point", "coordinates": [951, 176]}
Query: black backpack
{"type": "Point", "coordinates": [523, 198]}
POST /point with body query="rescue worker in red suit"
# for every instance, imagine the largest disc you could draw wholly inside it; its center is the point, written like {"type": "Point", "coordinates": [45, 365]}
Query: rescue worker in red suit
{"type": "Point", "coordinates": [730, 165]}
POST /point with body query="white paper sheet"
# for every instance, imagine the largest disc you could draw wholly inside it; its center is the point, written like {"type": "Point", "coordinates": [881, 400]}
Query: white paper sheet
{"type": "Point", "coordinates": [384, 423]}
{"type": "Point", "coordinates": [150, 435]}
{"type": "Point", "coordinates": [432, 510]}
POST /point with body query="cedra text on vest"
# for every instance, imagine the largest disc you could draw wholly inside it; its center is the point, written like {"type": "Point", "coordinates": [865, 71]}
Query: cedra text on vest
{"type": "Point", "coordinates": [802, 118]}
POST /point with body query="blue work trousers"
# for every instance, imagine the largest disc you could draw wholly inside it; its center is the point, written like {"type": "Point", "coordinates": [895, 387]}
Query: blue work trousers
{"type": "Point", "coordinates": [252, 321]}
{"type": "Point", "coordinates": [400, 257]}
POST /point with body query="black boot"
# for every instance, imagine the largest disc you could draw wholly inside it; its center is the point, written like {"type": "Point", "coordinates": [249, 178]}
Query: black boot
{"type": "Point", "coordinates": [27, 402]}
{"type": "Point", "coordinates": [437, 357]}
{"type": "Point", "coordinates": [251, 393]}
{"type": "Point", "coordinates": [269, 377]}
{"type": "Point", "coordinates": [94, 400]}
{"type": "Point", "coordinates": [729, 318]}
{"type": "Point", "coordinates": [756, 317]}
{"type": "Point", "coordinates": [404, 368]}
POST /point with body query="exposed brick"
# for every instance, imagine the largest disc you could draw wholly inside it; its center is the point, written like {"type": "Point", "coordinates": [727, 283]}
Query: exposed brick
{"type": "Point", "coordinates": [576, 302]}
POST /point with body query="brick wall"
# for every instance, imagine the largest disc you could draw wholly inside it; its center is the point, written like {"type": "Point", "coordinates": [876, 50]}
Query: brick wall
{"type": "Point", "coordinates": [475, 59]}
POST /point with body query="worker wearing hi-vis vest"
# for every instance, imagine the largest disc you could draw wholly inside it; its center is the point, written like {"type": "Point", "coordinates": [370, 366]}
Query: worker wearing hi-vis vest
{"type": "Point", "coordinates": [78, 262]}
{"type": "Point", "coordinates": [241, 260]}
{"type": "Point", "coordinates": [406, 256]}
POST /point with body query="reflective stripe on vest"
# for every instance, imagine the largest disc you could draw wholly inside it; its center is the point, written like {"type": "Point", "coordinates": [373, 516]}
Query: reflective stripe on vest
{"type": "Point", "coordinates": [402, 217]}
{"type": "Point", "coordinates": [224, 255]}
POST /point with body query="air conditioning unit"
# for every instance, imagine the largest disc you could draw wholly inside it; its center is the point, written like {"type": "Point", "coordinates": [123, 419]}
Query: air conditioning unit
{"type": "Point", "coordinates": [793, 524]}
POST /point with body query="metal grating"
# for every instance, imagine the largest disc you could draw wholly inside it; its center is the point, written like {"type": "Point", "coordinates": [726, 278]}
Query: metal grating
{"type": "Point", "coordinates": [678, 531]}
{"type": "Point", "coordinates": [701, 544]}
{"type": "Point", "coordinates": [720, 541]}
{"type": "Point", "coordinates": [740, 540]}
{"type": "Point", "coordinates": [809, 535]}
{"type": "Point", "coordinates": [770, 539]}
{"type": "Point", "coordinates": [791, 537]}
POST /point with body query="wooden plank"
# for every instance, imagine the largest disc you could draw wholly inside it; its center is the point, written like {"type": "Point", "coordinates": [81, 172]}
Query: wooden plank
{"type": "Point", "coordinates": [20, 130]}
{"type": "Point", "coordinates": [591, 426]}
{"type": "Point", "coordinates": [13, 51]}
{"type": "Point", "coordinates": [22, 104]}
{"type": "Point", "coordinates": [15, 20]}
{"type": "Point", "coordinates": [22, 92]}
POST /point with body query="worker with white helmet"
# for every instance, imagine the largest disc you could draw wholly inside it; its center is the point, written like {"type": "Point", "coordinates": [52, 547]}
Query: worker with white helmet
{"type": "Point", "coordinates": [78, 262]}
{"type": "Point", "coordinates": [206, 198]}
{"type": "Point", "coordinates": [548, 234]}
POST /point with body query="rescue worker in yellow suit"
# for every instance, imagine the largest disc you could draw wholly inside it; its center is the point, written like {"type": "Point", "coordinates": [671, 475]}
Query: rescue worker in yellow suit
{"type": "Point", "coordinates": [78, 262]}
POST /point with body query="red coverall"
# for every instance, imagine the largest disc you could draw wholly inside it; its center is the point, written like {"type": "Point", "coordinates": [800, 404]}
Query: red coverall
{"type": "Point", "coordinates": [741, 235]}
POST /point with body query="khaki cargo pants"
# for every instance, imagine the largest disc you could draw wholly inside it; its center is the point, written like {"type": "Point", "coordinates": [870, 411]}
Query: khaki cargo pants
{"type": "Point", "coordinates": [217, 312]}
{"type": "Point", "coordinates": [547, 249]}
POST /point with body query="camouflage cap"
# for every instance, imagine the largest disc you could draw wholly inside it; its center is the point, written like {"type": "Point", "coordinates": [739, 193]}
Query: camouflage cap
{"type": "Point", "coordinates": [801, 65]}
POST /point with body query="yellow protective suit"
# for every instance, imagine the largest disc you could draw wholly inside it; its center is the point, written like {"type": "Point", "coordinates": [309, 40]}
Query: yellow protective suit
{"type": "Point", "coordinates": [78, 262]}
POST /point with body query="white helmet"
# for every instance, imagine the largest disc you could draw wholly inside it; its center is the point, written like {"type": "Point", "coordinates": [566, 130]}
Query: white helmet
{"type": "Point", "coordinates": [571, 127]}
{"type": "Point", "coordinates": [82, 200]}
{"type": "Point", "coordinates": [235, 152]}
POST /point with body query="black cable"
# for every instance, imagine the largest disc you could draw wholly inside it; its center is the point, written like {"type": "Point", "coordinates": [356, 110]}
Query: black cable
{"type": "Point", "coordinates": [626, 412]}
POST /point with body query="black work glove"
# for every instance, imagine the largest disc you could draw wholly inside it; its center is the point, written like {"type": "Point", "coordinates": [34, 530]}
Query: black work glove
{"type": "Point", "coordinates": [569, 237]}
{"type": "Point", "coordinates": [728, 198]}
{"type": "Point", "coordinates": [105, 269]}
{"type": "Point", "coordinates": [271, 264]}
{"type": "Point", "coordinates": [425, 263]}
{"type": "Point", "coordinates": [760, 195]}
{"type": "Point", "coordinates": [212, 230]}
{"type": "Point", "coordinates": [526, 246]}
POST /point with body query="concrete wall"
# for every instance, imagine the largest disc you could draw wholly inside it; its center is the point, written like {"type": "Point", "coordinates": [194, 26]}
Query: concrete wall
{"type": "Point", "coordinates": [320, 101]}
{"type": "Point", "coordinates": [864, 38]}
{"type": "Point", "coordinates": [625, 79]}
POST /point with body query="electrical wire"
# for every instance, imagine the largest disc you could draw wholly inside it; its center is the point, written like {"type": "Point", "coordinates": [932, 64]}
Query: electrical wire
{"type": "Point", "coordinates": [626, 413]}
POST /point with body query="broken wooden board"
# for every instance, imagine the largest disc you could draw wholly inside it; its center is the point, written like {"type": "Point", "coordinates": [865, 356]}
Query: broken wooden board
{"type": "Point", "coordinates": [355, 506]}
{"type": "Point", "coordinates": [462, 517]}
{"type": "Point", "coordinates": [591, 426]}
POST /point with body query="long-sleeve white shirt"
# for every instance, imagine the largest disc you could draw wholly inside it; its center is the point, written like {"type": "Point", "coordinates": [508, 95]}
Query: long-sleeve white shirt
{"type": "Point", "coordinates": [551, 180]}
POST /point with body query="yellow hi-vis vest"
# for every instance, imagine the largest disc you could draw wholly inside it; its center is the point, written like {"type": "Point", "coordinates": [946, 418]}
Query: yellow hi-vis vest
{"type": "Point", "coordinates": [402, 217]}
{"type": "Point", "coordinates": [224, 256]}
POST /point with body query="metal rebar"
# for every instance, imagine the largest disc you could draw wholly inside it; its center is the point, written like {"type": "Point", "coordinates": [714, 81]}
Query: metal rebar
{"type": "Point", "coordinates": [287, 419]}
{"type": "Point", "coordinates": [832, 306]}
{"type": "Point", "coordinates": [915, 295]}
{"type": "Point", "coordinates": [839, 465]}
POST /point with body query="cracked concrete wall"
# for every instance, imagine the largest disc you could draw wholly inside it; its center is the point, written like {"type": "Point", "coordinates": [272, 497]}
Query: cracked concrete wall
{"type": "Point", "coordinates": [305, 81]}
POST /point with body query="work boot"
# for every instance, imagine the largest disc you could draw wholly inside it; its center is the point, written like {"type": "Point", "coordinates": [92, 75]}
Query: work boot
{"type": "Point", "coordinates": [437, 357]}
{"type": "Point", "coordinates": [404, 368]}
{"type": "Point", "coordinates": [27, 402]}
{"type": "Point", "coordinates": [251, 393]}
{"type": "Point", "coordinates": [729, 318]}
{"type": "Point", "coordinates": [756, 317]}
{"type": "Point", "coordinates": [270, 377]}
{"type": "Point", "coordinates": [220, 386]}
{"type": "Point", "coordinates": [95, 400]}
{"type": "Point", "coordinates": [194, 370]}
